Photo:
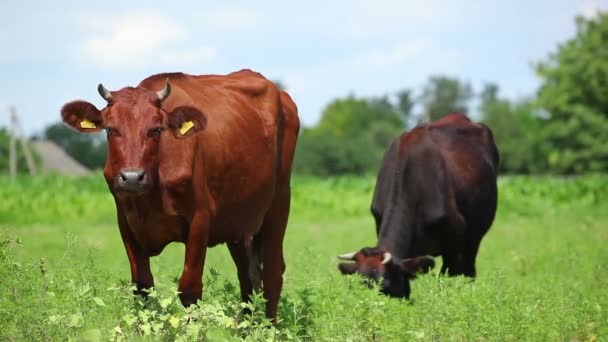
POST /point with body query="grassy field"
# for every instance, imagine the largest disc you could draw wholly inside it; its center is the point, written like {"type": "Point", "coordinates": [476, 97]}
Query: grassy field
{"type": "Point", "coordinates": [542, 271]}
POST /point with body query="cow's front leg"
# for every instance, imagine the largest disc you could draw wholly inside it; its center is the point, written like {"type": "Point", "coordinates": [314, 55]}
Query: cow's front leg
{"type": "Point", "coordinates": [191, 282]}
{"type": "Point", "coordinates": [139, 261]}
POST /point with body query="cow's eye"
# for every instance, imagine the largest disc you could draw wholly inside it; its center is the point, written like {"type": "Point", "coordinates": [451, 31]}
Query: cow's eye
{"type": "Point", "coordinates": [155, 132]}
{"type": "Point", "coordinates": [110, 131]}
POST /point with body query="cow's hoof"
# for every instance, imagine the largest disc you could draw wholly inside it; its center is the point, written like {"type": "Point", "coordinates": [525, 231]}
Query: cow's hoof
{"type": "Point", "coordinates": [188, 299]}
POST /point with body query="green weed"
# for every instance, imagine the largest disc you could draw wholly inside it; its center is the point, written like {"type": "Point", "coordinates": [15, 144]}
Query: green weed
{"type": "Point", "coordinates": [542, 272]}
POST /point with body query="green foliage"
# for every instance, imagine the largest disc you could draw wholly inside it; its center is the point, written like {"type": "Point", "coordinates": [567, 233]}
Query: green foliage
{"type": "Point", "coordinates": [353, 116]}
{"type": "Point", "coordinates": [89, 150]}
{"type": "Point", "coordinates": [541, 277]}
{"type": "Point", "coordinates": [517, 131]}
{"type": "Point", "coordinates": [444, 95]}
{"type": "Point", "coordinates": [405, 104]}
{"type": "Point", "coordinates": [574, 92]}
{"type": "Point", "coordinates": [55, 199]}
{"type": "Point", "coordinates": [350, 138]}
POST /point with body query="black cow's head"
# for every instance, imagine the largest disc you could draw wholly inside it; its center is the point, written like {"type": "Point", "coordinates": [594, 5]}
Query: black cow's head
{"type": "Point", "coordinates": [376, 265]}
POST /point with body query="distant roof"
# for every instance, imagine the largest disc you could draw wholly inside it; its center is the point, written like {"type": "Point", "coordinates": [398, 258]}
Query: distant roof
{"type": "Point", "coordinates": [55, 160]}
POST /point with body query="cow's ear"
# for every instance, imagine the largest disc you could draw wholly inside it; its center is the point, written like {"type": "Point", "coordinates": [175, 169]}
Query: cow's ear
{"type": "Point", "coordinates": [411, 266]}
{"type": "Point", "coordinates": [347, 267]}
{"type": "Point", "coordinates": [185, 121]}
{"type": "Point", "coordinates": [82, 116]}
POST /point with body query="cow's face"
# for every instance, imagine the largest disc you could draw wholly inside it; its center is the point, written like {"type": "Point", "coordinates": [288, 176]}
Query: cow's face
{"type": "Point", "coordinates": [135, 123]}
{"type": "Point", "coordinates": [377, 265]}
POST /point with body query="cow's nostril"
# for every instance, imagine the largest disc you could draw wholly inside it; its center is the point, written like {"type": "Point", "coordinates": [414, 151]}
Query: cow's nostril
{"type": "Point", "coordinates": [132, 177]}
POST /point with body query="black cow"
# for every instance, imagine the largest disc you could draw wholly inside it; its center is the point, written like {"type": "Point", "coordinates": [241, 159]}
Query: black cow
{"type": "Point", "coordinates": [435, 195]}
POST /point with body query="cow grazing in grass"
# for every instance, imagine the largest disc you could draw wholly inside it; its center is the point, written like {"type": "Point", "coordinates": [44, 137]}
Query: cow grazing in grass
{"type": "Point", "coordinates": [435, 195]}
{"type": "Point", "coordinates": [201, 160]}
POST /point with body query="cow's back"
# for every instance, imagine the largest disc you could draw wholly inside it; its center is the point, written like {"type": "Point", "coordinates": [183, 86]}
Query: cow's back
{"type": "Point", "coordinates": [235, 158]}
{"type": "Point", "coordinates": [471, 160]}
{"type": "Point", "coordinates": [443, 173]}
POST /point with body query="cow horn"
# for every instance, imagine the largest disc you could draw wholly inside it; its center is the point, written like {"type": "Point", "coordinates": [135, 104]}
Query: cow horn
{"type": "Point", "coordinates": [347, 256]}
{"type": "Point", "coordinates": [163, 94]}
{"type": "Point", "coordinates": [105, 93]}
{"type": "Point", "coordinates": [387, 258]}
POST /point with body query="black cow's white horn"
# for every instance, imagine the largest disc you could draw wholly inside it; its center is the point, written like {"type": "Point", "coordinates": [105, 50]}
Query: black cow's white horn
{"type": "Point", "coordinates": [163, 94]}
{"type": "Point", "coordinates": [387, 258]}
{"type": "Point", "coordinates": [347, 256]}
{"type": "Point", "coordinates": [105, 93]}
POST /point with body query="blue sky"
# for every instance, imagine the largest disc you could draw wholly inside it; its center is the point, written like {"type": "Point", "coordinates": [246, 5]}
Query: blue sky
{"type": "Point", "coordinates": [56, 51]}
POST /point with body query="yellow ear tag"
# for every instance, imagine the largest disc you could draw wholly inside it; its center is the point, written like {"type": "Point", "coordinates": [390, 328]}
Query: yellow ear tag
{"type": "Point", "coordinates": [86, 123]}
{"type": "Point", "coordinates": [186, 127]}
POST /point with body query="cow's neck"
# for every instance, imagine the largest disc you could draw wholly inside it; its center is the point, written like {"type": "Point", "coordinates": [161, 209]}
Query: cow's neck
{"type": "Point", "coordinates": [144, 204]}
{"type": "Point", "coordinates": [396, 232]}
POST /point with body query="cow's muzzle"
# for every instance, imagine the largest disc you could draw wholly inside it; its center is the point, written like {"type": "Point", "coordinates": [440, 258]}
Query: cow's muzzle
{"type": "Point", "coordinates": [132, 180]}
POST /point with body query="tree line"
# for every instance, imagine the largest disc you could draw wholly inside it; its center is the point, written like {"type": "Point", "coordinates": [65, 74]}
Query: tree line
{"type": "Point", "coordinates": [562, 128]}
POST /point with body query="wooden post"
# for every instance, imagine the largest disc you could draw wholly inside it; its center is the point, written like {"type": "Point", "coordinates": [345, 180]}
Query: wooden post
{"type": "Point", "coordinates": [31, 166]}
{"type": "Point", "coordinates": [13, 146]}
{"type": "Point", "coordinates": [17, 134]}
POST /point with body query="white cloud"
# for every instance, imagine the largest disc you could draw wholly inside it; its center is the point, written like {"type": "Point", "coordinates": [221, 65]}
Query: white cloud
{"type": "Point", "coordinates": [391, 16]}
{"type": "Point", "coordinates": [399, 54]}
{"type": "Point", "coordinates": [589, 9]}
{"type": "Point", "coordinates": [229, 18]}
{"type": "Point", "coordinates": [137, 39]}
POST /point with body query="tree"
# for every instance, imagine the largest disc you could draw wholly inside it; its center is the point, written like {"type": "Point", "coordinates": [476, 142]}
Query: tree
{"type": "Point", "coordinates": [324, 154]}
{"type": "Point", "coordinates": [574, 92]}
{"type": "Point", "coordinates": [443, 95]}
{"type": "Point", "coordinates": [89, 150]}
{"type": "Point", "coordinates": [350, 137]}
{"type": "Point", "coordinates": [516, 131]}
{"type": "Point", "coordinates": [279, 84]}
{"type": "Point", "coordinates": [405, 105]}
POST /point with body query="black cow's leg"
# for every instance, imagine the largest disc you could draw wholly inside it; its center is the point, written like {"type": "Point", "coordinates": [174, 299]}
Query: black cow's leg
{"type": "Point", "coordinates": [239, 255]}
{"type": "Point", "coordinates": [273, 231]}
{"type": "Point", "coordinates": [139, 261]}
{"type": "Point", "coordinates": [191, 281]}
{"type": "Point", "coordinates": [470, 254]}
{"type": "Point", "coordinates": [452, 247]}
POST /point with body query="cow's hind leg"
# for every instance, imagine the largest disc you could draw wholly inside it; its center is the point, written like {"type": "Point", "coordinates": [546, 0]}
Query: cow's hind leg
{"type": "Point", "coordinates": [452, 248]}
{"type": "Point", "coordinates": [470, 254]}
{"type": "Point", "coordinates": [273, 231]}
{"type": "Point", "coordinates": [246, 256]}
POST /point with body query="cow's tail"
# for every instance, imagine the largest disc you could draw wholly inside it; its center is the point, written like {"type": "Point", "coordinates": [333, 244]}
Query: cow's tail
{"type": "Point", "coordinates": [288, 135]}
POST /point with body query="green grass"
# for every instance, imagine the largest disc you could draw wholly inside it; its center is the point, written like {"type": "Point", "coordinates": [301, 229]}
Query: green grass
{"type": "Point", "coordinates": [542, 271]}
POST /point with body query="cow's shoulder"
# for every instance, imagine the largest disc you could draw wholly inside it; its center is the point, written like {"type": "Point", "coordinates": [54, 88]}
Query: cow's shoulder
{"type": "Point", "coordinates": [251, 83]}
{"type": "Point", "coordinates": [458, 126]}
{"type": "Point", "coordinates": [461, 135]}
{"type": "Point", "coordinates": [408, 141]}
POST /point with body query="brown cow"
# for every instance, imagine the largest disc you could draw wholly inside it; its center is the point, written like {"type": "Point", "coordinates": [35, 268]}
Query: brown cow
{"type": "Point", "coordinates": [230, 183]}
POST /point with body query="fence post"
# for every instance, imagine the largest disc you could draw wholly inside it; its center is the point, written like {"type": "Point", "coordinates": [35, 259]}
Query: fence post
{"type": "Point", "coordinates": [13, 145]}
{"type": "Point", "coordinates": [17, 134]}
